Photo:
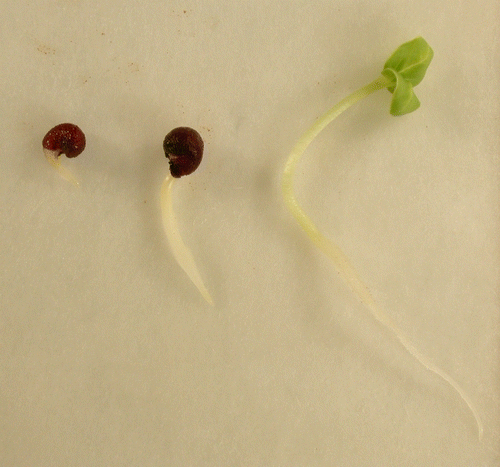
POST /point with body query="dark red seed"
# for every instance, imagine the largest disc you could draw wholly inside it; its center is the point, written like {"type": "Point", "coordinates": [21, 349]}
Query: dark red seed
{"type": "Point", "coordinates": [66, 139]}
{"type": "Point", "coordinates": [183, 148]}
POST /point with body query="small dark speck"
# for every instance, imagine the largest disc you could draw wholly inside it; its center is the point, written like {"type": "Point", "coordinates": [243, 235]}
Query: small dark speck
{"type": "Point", "coordinates": [46, 50]}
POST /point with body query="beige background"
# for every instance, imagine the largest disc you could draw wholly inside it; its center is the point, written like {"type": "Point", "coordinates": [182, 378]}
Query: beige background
{"type": "Point", "coordinates": [110, 357]}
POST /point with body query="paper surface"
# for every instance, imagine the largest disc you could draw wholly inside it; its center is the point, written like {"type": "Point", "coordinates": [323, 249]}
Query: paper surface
{"type": "Point", "coordinates": [110, 356]}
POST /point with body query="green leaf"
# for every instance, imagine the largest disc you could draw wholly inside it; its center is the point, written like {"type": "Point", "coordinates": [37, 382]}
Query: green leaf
{"type": "Point", "coordinates": [404, 99]}
{"type": "Point", "coordinates": [405, 68]}
{"type": "Point", "coordinates": [411, 60]}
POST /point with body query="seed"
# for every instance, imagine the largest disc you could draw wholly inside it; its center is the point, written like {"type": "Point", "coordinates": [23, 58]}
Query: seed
{"type": "Point", "coordinates": [66, 139]}
{"type": "Point", "coordinates": [183, 148]}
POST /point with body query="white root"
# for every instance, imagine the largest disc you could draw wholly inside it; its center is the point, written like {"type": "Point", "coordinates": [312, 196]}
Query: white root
{"type": "Point", "coordinates": [342, 263]}
{"type": "Point", "coordinates": [181, 252]}
{"type": "Point", "coordinates": [53, 158]}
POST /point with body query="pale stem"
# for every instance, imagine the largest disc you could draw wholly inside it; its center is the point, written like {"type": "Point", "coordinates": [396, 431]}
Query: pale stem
{"type": "Point", "coordinates": [54, 159]}
{"type": "Point", "coordinates": [181, 252]}
{"type": "Point", "coordinates": [342, 263]}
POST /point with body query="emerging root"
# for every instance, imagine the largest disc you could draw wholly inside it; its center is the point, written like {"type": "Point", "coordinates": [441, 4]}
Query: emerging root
{"type": "Point", "coordinates": [53, 158]}
{"type": "Point", "coordinates": [181, 252]}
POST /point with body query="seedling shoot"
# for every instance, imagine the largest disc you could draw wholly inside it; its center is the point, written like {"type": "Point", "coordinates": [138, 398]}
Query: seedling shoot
{"type": "Point", "coordinates": [66, 139]}
{"type": "Point", "coordinates": [184, 150]}
{"type": "Point", "coordinates": [404, 70]}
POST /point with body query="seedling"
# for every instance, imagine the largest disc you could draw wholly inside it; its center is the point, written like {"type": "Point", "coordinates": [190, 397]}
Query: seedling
{"type": "Point", "coordinates": [66, 139]}
{"type": "Point", "coordinates": [405, 69]}
{"type": "Point", "coordinates": [184, 149]}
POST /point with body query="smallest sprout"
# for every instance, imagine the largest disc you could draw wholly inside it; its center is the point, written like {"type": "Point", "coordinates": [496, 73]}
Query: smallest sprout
{"type": "Point", "coordinates": [67, 139]}
{"type": "Point", "coordinates": [183, 148]}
